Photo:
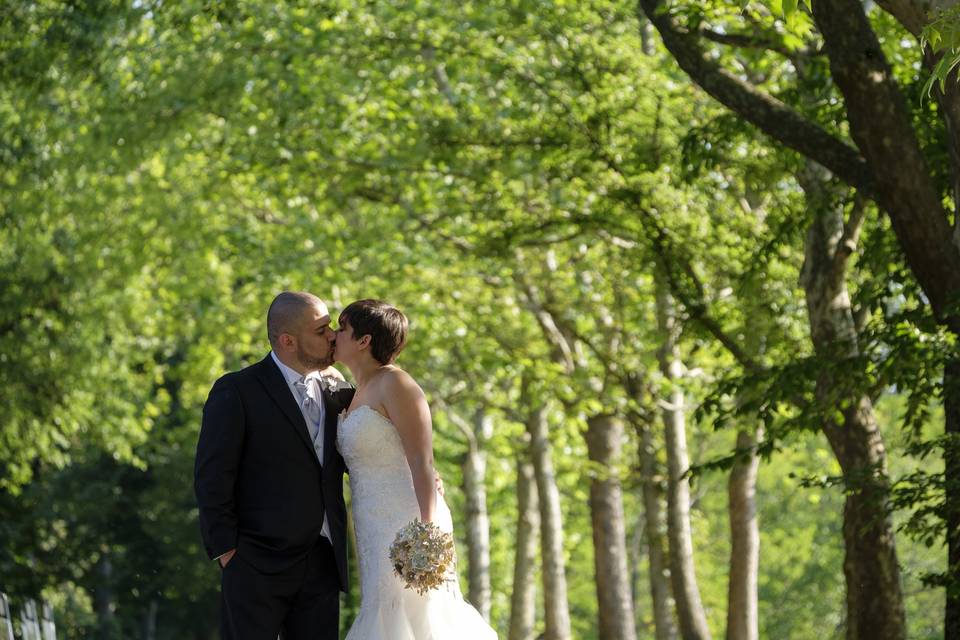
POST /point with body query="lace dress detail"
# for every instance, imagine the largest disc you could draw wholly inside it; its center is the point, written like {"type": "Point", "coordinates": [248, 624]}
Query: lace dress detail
{"type": "Point", "coordinates": [383, 501]}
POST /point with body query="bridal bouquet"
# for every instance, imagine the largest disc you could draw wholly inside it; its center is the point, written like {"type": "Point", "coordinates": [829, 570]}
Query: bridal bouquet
{"type": "Point", "coordinates": [421, 555]}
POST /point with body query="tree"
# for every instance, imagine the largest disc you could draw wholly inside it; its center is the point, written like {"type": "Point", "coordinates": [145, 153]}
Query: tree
{"type": "Point", "coordinates": [885, 136]}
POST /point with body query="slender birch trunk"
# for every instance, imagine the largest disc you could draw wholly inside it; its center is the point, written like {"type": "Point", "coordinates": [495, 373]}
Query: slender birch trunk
{"type": "Point", "coordinates": [690, 613]}
{"type": "Point", "coordinates": [742, 621]}
{"type": "Point", "coordinates": [604, 438]}
{"type": "Point", "coordinates": [477, 522]}
{"type": "Point", "coordinates": [523, 599]}
{"type": "Point", "coordinates": [655, 528]}
{"type": "Point", "coordinates": [556, 607]}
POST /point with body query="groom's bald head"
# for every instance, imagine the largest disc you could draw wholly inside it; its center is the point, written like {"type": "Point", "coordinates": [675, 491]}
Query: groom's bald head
{"type": "Point", "coordinates": [288, 311]}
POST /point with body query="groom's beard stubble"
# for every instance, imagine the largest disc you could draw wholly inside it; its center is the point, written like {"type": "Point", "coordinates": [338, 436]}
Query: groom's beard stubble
{"type": "Point", "coordinates": [315, 363]}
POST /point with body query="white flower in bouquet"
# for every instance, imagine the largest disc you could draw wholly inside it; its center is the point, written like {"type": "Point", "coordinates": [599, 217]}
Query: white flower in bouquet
{"type": "Point", "coordinates": [421, 555]}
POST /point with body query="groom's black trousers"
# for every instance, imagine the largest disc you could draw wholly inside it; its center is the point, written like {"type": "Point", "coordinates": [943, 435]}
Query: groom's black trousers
{"type": "Point", "coordinates": [299, 603]}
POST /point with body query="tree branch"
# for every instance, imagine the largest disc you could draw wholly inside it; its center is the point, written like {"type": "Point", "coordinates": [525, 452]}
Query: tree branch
{"type": "Point", "coordinates": [771, 116]}
{"type": "Point", "coordinates": [697, 309]}
{"type": "Point", "coordinates": [751, 41]}
{"type": "Point", "coordinates": [913, 15]}
{"type": "Point", "coordinates": [851, 233]}
{"type": "Point", "coordinates": [563, 353]}
{"type": "Point", "coordinates": [465, 428]}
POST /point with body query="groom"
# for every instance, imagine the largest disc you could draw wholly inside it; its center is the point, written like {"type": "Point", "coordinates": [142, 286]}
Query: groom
{"type": "Point", "coordinates": [269, 482]}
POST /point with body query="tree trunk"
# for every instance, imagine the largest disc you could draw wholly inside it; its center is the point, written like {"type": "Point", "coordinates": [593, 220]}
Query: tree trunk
{"type": "Point", "coordinates": [604, 438]}
{"type": "Point", "coordinates": [655, 525]}
{"type": "Point", "coordinates": [874, 598]}
{"type": "Point", "coordinates": [477, 521]}
{"type": "Point", "coordinates": [523, 599]}
{"type": "Point", "coordinates": [948, 100]}
{"type": "Point", "coordinates": [882, 127]}
{"type": "Point", "coordinates": [742, 622]}
{"type": "Point", "coordinates": [556, 608]}
{"type": "Point", "coordinates": [951, 405]}
{"type": "Point", "coordinates": [690, 613]}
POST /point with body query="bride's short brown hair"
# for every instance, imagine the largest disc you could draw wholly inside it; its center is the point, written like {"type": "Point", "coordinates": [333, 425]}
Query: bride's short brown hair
{"type": "Point", "coordinates": [385, 324]}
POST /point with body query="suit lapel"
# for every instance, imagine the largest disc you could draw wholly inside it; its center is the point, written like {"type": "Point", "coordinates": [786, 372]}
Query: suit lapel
{"type": "Point", "coordinates": [276, 386]}
{"type": "Point", "coordinates": [331, 421]}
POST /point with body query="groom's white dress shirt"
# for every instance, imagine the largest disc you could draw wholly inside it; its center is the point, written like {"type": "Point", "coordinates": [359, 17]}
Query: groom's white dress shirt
{"type": "Point", "coordinates": [292, 377]}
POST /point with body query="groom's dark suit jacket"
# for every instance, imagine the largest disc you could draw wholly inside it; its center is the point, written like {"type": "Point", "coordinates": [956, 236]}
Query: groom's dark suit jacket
{"type": "Point", "coordinates": [259, 484]}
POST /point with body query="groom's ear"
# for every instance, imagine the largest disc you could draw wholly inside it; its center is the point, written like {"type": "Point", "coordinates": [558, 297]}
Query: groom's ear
{"type": "Point", "coordinates": [285, 340]}
{"type": "Point", "coordinates": [365, 340]}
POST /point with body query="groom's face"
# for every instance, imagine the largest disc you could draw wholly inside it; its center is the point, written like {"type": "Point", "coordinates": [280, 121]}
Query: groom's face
{"type": "Point", "coordinates": [315, 339]}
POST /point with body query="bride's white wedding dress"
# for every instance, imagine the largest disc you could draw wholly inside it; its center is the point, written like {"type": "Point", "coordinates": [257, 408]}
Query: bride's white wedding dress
{"type": "Point", "coordinates": [383, 501]}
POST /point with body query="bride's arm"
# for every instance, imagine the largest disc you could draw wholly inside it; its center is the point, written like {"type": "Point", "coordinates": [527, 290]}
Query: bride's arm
{"type": "Point", "coordinates": [407, 408]}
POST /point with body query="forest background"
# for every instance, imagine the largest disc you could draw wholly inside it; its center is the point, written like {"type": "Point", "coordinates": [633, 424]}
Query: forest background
{"type": "Point", "coordinates": [682, 280]}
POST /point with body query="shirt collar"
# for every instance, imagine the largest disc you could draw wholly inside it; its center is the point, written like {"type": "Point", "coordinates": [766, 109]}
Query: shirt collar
{"type": "Point", "coordinates": [290, 375]}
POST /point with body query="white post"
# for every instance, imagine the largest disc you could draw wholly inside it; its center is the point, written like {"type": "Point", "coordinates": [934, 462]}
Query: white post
{"type": "Point", "coordinates": [6, 619]}
{"type": "Point", "coordinates": [29, 624]}
{"type": "Point", "coordinates": [47, 627]}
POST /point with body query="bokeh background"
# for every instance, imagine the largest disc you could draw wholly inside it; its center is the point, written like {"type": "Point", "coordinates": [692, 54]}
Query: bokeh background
{"type": "Point", "coordinates": [666, 295]}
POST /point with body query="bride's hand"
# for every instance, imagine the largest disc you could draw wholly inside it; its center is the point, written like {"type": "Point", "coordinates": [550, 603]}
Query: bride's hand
{"type": "Point", "coordinates": [439, 482]}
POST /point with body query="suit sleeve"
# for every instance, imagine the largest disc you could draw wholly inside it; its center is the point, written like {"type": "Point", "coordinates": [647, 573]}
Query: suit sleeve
{"type": "Point", "coordinates": [215, 469]}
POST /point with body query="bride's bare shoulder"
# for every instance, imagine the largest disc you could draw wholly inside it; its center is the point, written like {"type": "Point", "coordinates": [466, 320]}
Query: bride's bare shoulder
{"type": "Point", "coordinates": [396, 381]}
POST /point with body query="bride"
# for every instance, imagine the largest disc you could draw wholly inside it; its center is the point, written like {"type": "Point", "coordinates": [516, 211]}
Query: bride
{"type": "Point", "coordinates": [386, 439]}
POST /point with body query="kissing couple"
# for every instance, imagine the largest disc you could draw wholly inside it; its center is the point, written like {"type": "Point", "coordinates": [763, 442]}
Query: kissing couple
{"type": "Point", "coordinates": [274, 444]}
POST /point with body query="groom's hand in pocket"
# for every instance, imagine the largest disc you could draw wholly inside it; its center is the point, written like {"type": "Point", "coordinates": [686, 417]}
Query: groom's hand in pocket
{"type": "Point", "coordinates": [224, 560]}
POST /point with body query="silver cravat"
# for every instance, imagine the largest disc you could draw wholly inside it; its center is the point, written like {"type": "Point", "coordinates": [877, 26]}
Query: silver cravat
{"type": "Point", "coordinates": [310, 392]}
